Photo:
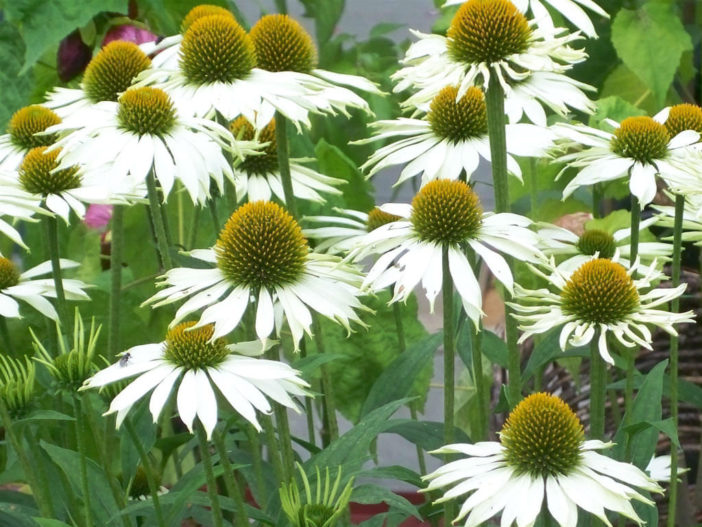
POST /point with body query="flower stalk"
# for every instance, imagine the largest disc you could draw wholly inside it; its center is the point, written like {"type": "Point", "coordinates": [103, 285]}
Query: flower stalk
{"type": "Point", "coordinates": [209, 475]}
{"type": "Point", "coordinates": [495, 103]}
{"type": "Point", "coordinates": [230, 481]}
{"type": "Point", "coordinates": [51, 223]}
{"type": "Point", "coordinates": [157, 219]}
{"type": "Point", "coordinates": [116, 256]}
{"type": "Point", "coordinates": [674, 354]}
{"type": "Point", "coordinates": [449, 364]}
{"type": "Point", "coordinates": [597, 390]}
{"type": "Point", "coordinates": [83, 453]}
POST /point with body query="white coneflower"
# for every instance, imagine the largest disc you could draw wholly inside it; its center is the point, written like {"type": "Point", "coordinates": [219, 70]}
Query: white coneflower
{"type": "Point", "coordinates": [451, 138]}
{"type": "Point", "coordinates": [261, 252]}
{"type": "Point", "coordinates": [600, 295]}
{"type": "Point", "coordinates": [445, 214]}
{"type": "Point", "coordinates": [29, 288]}
{"type": "Point", "coordinates": [491, 41]}
{"type": "Point", "coordinates": [142, 132]}
{"type": "Point", "coordinates": [22, 136]}
{"type": "Point", "coordinates": [16, 204]}
{"type": "Point", "coordinates": [573, 250]}
{"type": "Point", "coordinates": [197, 362]}
{"type": "Point", "coordinates": [639, 148]}
{"type": "Point", "coordinates": [217, 71]}
{"type": "Point", "coordinates": [108, 74]}
{"type": "Point", "coordinates": [570, 9]}
{"type": "Point", "coordinates": [542, 458]}
{"type": "Point", "coordinates": [257, 177]}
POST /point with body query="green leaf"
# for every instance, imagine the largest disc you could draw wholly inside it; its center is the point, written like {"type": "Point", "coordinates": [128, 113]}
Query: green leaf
{"type": "Point", "coordinates": [103, 503]}
{"type": "Point", "coordinates": [613, 107]}
{"type": "Point", "coordinates": [352, 447]}
{"type": "Point", "coordinates": [429, 435]}
{"type": "Point", "coordinates": [16, 87]}
{"type": "Point", "coordinates": [43, 24]}
{"type": "Point", "coordinates": [547, 350]}
{"type": "Point", "coordinates": [397, 380]}
{"type": "Point", "coordinates": [44, 415]}
{"type": "Point", "coordinates": [651, 41]}
{"type": "Point", "coordinates": [46, 522]}
{"type": "Point", "coordinates": [395, 472]}
{"type": "Point", "coordinates": [326, 14]}
{"type": "Point", "coordinates": [666, 426]}
{"type": "Point", "coordinates": [369, 494]}
{"type": "Point", "coordinates": [645, 409]}
{"type": "Point", "coordinates": [367, 352]}
{"type": "Point", "coordinates": [357, 192]}
{"type": "Point", "coordinates": [308, 365]}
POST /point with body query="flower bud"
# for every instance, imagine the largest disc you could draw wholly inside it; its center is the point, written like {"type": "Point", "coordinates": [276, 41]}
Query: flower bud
{"type": "Point", "coordinates": [72, 57]}
{"type": "Point", "coordinates": [129, 33]}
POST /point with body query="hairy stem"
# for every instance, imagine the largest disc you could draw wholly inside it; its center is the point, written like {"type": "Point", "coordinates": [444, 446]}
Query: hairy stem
{"type": "Point", "coordinates": [116, 250]}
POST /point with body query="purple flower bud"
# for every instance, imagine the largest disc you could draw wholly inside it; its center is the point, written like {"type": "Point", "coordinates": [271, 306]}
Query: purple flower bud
{"type": "Point", "coordinates": [130, 34]}
{"type": "Point", "coordinates": [98, 216]}
{"type": "Point", "coordinates": [72, 57]}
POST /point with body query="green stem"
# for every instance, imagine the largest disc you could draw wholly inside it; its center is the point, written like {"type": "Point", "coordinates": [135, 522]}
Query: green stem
{"type": "Point", "coordinates": [116, 251]}
{"type": "Point", "coordinates": [273, 450]}
{"type": "Point", "coordinates": [309, 413]}
{"type": "Point", "coordinates": [83, 453]}
{"type": "Point", "coordinates": [41, 495]}
{"type": "Point", "coordinates": [51, 223]}
{"type": "Point", "coordinates": [281, 137]}
{"type": "Point", "coordinates": [597, 390]}
{"type": "Point", "coordinates": [533, 188]}
{"type": "Point", "coordinates": [477, 363]}
{"type": "Point", "coordinates": [495, 102]}
{"type": "Point", "coordinates": [148, 471]}
{"type": "Point", "coordinates": [157, 219]}
{"type": "Point", "coordinates": [630, 356]}
{"type": "Point", "coordinates": [192, 238]}
{"type": "Point", "coordinates": [597, 200]}
{"type": "Point", "coordinates": [233, 488]}
{"type": "Point", "coordinates": [209, 475]}
{"type": "Point", "coordinates": [214, 215]}
{"type": "Point", "coordinates": [41, 491]}
{"type": "Point", "coordinates": [281, 420]}
{"type": "Point", "coordinates": [402, 346]}
{"type": "Point", "coordinates": [5, 334]}
{"type": "Point", "coordinates": [675, 308]}
{"type": "Point", "coordinates": [257, 463]}
{"type": "Point", "coordinates": [449, 365]}
{"type": "Point", "coordinates": [635, 219]}
{"type": "Point", "coordinates": [332, 425]}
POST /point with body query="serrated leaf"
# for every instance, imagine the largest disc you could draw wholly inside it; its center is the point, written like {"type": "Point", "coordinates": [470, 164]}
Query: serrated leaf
{"type": "Point", "coordinates": [651, 41]}
{"type": "Point", "coordinates": [393, 472]}
{"type": "Point", "coordinates": [43, 24]}
{"type": "Point", "coordinates": [429, 435]}
{"type": "Point", "coordinates": [16, 88]}
{"type": "Point", "coordinates": [370, 494]}
{"type": "Point", "coordinates": [357, 192]}
{"type": "Point", "coordinates": [613, 107]}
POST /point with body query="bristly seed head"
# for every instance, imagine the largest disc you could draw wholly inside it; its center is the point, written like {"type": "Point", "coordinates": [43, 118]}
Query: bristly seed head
{"type": "Point", "coordinates": [261, 245]}
{"type": "Point", "coordinates": [446, 212]}
{"type": "Point", "coordinates": [37, 175]}
{"type": "Point", "coordinates": [259, 164]}
{"type": "Point", "coordinates": [378, 218]}
{"type": "Point", "coordinates": [146, 110]}
{"type": "Point", "coordinates": [282, 44]}
{"type": "Point", "coordinates": [542, 437]}
{"type": "Point", "coordinates": [216, 49]}
{"type": "Point", "coordinates": [9, 275]}
{"type": "Point", "coordinates": [487, 31]}
{"type": "Point", "coordinates": [113, 69]}
{"type": "Point", "coordinates": [684, 117]}
{"type": "Point", "coordinates": [596, 241]}
{"type": "Point", "coordinates": [201, 11]}
{"type": "Point", "coordinates": [191, 349]}
{"type": "Point", "coordinates": [600, 292]}
{"type": "Point", "coordinates": [641, 138]}
{"type": "Point", "coordinates": [30, 120]}
{"type": "Point", "coordinates": [458, 120]}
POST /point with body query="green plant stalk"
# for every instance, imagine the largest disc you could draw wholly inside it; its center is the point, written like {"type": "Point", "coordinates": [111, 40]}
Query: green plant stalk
{"type": "Point", "coordinates": [214, 215]}
{"type": "Point", "coordinates": [309, 413]}
{"type": "Point", "coordinates": [597, 390]}
{"type": "Point", "coordinates": [596, 201]}
{"type": "Point", "coordinates": [402, 346]}
{"type": "Point", "coordinates": [148, 471]}
{"type": "Point", "coordinates": [83, 453]}
{"type": "Point", "coordinates": [495, 102]}
{"type": "Point", "coordinates": [5, 335]}
{"type": "Point", "coordinates": [233, 488]}
{"type": "Point", "coordinates": [281, 420]}
{"type": "Point", "coordinates": [116, 250]}
{"type": "Point", "coordinates": [273, 448]}
{"type": "Point", "coordinates": [157, 219]}
{"type": "Point", "coordinates": [533, 188]}
{"type": "Point", "coordinates": [51, 223]}
{"type": "Point", "coordinates": [41, 492]}
{"type": "Point", "coordinates": [209, 475]}
{"type": "Point", "coordinates": [192, 237]}
{"type": "Point", "coordinates": [635, 220]}
{"type": "Point", "coordinates": [281, 137]}
{"type": "Point", "coordinates": [477, 363]}
{"type": "Point", "coordinates": [674, 352]}
{"type": "Point", "coordinates": [257, 463]}
{"type": "Point", "coordinates": [449, 365]}
{"type": "Point", "coordinates": [327, 385]}
{"type": "Point", "coordinates": [102, 449]}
